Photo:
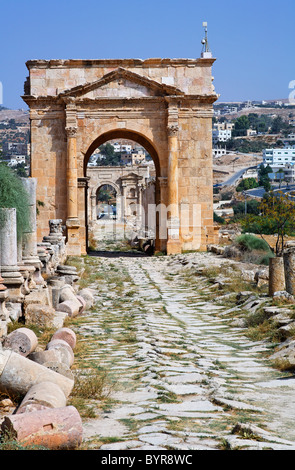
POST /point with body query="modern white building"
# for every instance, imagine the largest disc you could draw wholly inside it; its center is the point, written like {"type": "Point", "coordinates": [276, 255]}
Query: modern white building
{"type": "Point", "coordinates": [289, 172]}
{"type": "Point", "coordinates": [218, 152]}
{"type": "Point", "coordinates": [278, 158]}
{"type": "Point", "coordinates": [221, 135]}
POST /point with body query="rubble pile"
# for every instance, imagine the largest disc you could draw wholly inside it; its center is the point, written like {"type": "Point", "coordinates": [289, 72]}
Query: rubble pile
{"type": "Point", "coordinates": [37, 288]}
{"type": "Point", "coordinates": [44, 381]}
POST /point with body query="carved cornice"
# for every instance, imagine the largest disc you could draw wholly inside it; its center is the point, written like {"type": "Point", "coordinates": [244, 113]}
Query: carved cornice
{"type": "Point", "coordinates": [83, 183]}
{"type": "Point", "coordinates": [142, 63]}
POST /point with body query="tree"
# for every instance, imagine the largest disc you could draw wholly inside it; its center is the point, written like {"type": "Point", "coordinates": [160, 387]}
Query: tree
{"type": "Point", "coordinates": [104, 196]}
{"type": "Point", "coordinates": [277, 217]}
{"type": "Point", "coordinates": [263, 178]}
{"type": "Point", "coordinates": [252, 207]}
{"type": "Point", "coordinates": [247, 183]}
{"type": "Point", "coordinates": [280, 175]}
{"type": "Point", "coordinates": [110, 157]}
{"type": "Point", "coordinates": [277, 125]}
{"type": "Point", "coordinates": [14, 195]}
{"type": "Point", "coordinates": [242, 124]}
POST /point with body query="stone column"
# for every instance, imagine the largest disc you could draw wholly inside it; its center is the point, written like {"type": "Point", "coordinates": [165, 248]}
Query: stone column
{"type": "Point", "coordinates": [93, 211]}
{"type": "Point", "coordinates": [289, 266]}
{"type": "Point", "coordinates": [123, 199]}
{"type": "Point", "coordinates": [30, 256]}
{"type": "Point", "coordinates": [4, 314]}
{"type": "Point", "coordinates": [161, 226]}
{"type": "Point", "coordinates": [72, 222]}
{"type": "Point", "coordinates": [141, 214]}
{"type": "Point", "coordinates": [276, 276]}
{"type": "Point", "coordinates": [173, 241]}
{"type": "Point", "coordinates": [8, 255]}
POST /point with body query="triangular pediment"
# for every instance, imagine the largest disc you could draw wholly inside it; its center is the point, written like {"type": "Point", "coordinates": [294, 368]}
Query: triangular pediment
{"type": "Point", "coordinates": [131, 176]}
{"type": "Point", "coordinates": [121, 83]}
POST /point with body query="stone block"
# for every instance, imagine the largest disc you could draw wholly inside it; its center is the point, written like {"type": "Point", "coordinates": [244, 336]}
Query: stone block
{"type": "Point", "coordinates": [40, 315]}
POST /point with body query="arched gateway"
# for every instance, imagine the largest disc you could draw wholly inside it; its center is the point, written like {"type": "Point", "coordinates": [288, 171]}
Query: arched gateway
{"type": "Point", "coordinates": [166, 105]}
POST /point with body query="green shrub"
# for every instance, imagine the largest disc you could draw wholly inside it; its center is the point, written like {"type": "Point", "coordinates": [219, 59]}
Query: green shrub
{"type": "Point", "coordinates": [218, 219]}
{"type": "Point", "coordinates": [14, 195]}
{"type": "Point", "coordinates": [248, 242]}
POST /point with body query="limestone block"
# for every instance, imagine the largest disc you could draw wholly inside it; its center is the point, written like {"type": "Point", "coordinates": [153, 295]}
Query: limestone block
{"type": "Point", "coordinates": [54, 428]}
{"type": "Point", "coordinates": [59, 319]}
{"type": "Point", "coordinates": [23, 341]}
{"type": "Point", "coordinates": [40, 297]}
{"type": "Point", "coordinates": [40, 315]}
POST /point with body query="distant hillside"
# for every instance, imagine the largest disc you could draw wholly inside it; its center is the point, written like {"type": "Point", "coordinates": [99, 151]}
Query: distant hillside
{"type": "Point", "coordinates": [19, 115]}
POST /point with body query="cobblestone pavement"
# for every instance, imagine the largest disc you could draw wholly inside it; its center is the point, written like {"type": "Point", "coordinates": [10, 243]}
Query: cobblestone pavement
{"type": "Point", "coordinates": [183, 376]}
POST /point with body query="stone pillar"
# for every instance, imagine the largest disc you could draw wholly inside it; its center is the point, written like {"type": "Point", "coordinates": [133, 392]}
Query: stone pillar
{"type": "Point", "coordinates": [141, 214]}
{"type": "Point", "coordinates": [173, 241]}
{"type": "Point", "coordinates": [276, 276]}
{"type": "Point", "coordinates": [30, 256]}
{"type": "Point", "coordinates": [54, 428]}
{"type": "Point", "coordinates": [4, 314]}
{"type": "Point", "coordinates": [123, 202]}
{"type": "Point", "coordinates": [18, 374]}
{"type": "Point", "coordinates": [289, 266]}
{"type": "Point", "coordinates": [72, 222]}
{"type": "Point", "coordinates": [161, 226]}
{"type": "Point", "coordinates": [93, 211]}
{"type": "Point", "coordinates": [8, 255]}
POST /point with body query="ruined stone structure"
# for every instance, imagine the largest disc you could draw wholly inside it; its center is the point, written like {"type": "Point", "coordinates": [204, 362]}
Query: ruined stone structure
{"type": "Point", "coordinates": [129, 182]}
{"type": "Point", "coordinates": [165, 105]}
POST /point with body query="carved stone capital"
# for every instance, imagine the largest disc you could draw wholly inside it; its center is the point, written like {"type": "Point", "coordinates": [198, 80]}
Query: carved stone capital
{"type": "Point", "coordinates": [173, 130]}
{"type": "Point", "coordinates": [71, 131]}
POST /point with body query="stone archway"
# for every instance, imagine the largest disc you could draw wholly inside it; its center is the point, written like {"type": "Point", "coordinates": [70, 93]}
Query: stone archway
{"type": "Point", "coordinates": [130, 182]}
{"type": "Point", "coordinates": [167, 104]}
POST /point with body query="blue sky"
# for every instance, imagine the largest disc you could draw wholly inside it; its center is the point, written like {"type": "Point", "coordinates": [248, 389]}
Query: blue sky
{"type": "Point", "coordinates": [253, 41]}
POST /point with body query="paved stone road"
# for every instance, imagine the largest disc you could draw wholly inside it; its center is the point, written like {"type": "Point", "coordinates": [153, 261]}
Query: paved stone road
{"type": "Point", "coordinates": [184, 376]}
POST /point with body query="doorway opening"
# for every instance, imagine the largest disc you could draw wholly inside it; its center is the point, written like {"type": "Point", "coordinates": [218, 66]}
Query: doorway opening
{"type": "Point", "coordinates": [122, 185]}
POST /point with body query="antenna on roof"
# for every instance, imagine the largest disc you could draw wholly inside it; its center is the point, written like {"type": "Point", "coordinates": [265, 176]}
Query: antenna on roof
{"type": "Point", "coordinates": [206, 53]}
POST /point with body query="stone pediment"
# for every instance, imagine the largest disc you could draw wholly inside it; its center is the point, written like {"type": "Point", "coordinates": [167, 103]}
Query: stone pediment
{"type": "Point", "coordinates": [131, 176]}
{"type": "Point", "coordinates": [121, 83]}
